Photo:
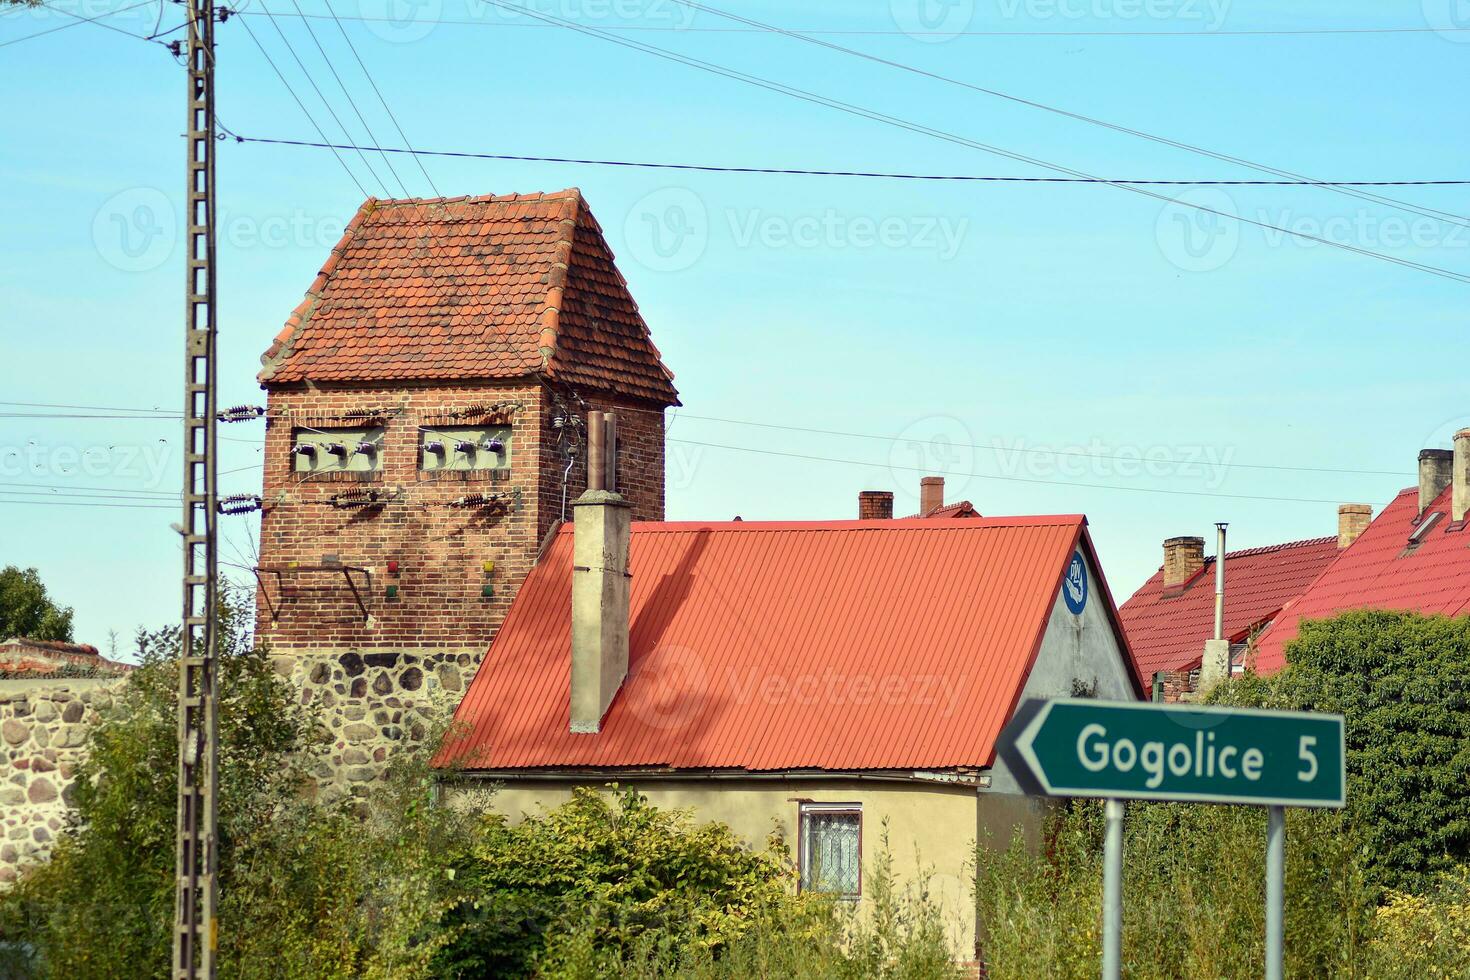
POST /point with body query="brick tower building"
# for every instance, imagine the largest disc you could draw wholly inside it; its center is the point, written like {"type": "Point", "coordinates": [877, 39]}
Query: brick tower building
{"type": "Point", "coordinates": [426, 412]}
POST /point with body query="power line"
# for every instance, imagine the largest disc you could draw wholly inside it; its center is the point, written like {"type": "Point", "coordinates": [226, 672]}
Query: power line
{"type": "Point", "coordinates": [378, 92]}
{"type": "Point", "coordinates": [860, 32]}
{"type": "Point", "coordinates": [315, 88]}
{"type": "Point", "coordinates": [909, 125]}
{"type": "Point", "coordinates": [270, 61]}
{"type": "Point", "coordinates": [1035, 451]}
{"type": "Point", "coordinates": [350, 101]}
{"type": "Point", "coordinates": [890, 175]}
{"type": "Point", "coordinates": [874, 436]}
{"type": "Point", "coordinates": [1007, 479]}
{"type": "Point", "coordinates": [1090, 120]}
{"type": "Point", "coordinates": [80, 20]}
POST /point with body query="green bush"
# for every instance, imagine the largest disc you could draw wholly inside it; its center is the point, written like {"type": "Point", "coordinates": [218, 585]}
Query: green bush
{"type": "Point", "coordinates": [1402, 681]}
{"type": "Point", "coordinates": [619, 870]}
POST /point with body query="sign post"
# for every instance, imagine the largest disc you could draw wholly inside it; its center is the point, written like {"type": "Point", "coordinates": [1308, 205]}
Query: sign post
{"type": "Point", "coordinates": [1135, 751]}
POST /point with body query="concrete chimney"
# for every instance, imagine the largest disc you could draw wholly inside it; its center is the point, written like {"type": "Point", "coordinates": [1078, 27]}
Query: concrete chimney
{"type": "Point", "coordinates": [1352, 521]}
{"type": "Point", "coordinates": [1436, 470]}
{"type": "Point", "coordinates": [875, 505]}
{"type": "Point", "coordinates": [1183, 558]}
{"type": "Point", "coordinates": [931, 494]}
{"type": "Point", "coordinates": [600, 585]}
{"type": "Point", "coordinates": [1461, 504]}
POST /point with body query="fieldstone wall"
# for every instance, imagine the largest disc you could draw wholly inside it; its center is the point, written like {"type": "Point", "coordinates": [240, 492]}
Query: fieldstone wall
{"type": "Point", "coordinates": [374, 704]}
{"type": "Point", "coordinates": [43, 737]}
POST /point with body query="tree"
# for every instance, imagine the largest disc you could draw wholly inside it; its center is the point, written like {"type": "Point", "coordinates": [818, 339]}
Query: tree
{"type": "Point", "coordinates": [27, 611]}
{"type": "Point", "coordinates": [1402, 682]}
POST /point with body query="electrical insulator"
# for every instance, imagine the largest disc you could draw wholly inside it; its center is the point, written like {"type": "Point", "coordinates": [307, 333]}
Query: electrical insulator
{"type": "Point", "coordinates": [358, 498]}
{"type": "Point", "coordinates": [305, 449]}
{"type": "Point", "coordinates": [241, 413]}
{"type": "Point", "coordinates": [493, 445]}
{"type": "Point", "coordinates": [433, 446]}
{"type": "Point", "coordinates": [337, 449]}
{"type": "Point", "coordinates": [366, 448]}
{"type": "Point", "coordinates": [465, 446]}
{"type": "Point", "coordinates": [239, 503]}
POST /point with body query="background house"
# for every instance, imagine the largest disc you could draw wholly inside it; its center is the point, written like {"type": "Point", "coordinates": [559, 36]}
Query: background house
{"type": "Point", "coordinates": [825, 680]}
{"type": "Point", "coordinates": [1171, 615]}
{"type": "Point", "coordinates": [1415, 557]}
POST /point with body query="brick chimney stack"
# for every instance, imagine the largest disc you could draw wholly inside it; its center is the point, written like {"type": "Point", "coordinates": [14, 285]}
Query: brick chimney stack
{"type": "Point", "coordinates": [1461, 480]}
{"type": "Point", "coordinates": [931, 495]}
{"type": "Point", "coordinates": [600, 592]}
{"type": "Point", "coordinates": [1183, 559]}
{"type": "Point", "coordinates": [1436, 470]}
{"type": "Point", "coordinates": [1352, 521]}
{"type": "Point", "coordinates": [875, 505]}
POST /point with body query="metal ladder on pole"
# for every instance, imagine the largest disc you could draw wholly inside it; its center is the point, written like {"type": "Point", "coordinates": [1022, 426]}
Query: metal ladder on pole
{"type": "Point", "coordinates": [194, 935]}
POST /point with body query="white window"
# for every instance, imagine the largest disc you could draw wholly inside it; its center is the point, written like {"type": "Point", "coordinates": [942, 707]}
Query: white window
{"type": "Point", "coordinates": [831, 848]}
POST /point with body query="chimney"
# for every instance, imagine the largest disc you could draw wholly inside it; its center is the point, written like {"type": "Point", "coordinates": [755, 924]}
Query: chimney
{"type": "Point", "coordinates": [1461, 505]}
{"type": "Point", "coordinates": [1352, 521]}
{"type": "Point", "coordinates": [1183, 558]}
{"type": "Point", "coordinates": [1436, 469]}
{"type": "Point", "coordinates": [931, 495]}
{"type": "Point", "coordinates": [600, 587]}
{"type": "Point", "coordinates": [875, 505]}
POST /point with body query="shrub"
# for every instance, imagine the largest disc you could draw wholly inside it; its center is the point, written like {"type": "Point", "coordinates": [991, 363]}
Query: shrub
{"type": "Point", "coordinates": [1426, 935]}
{"type": "Point", "coordinates": [1402, 681]}
{"type": "Point", "coordinates": [1193, 896]}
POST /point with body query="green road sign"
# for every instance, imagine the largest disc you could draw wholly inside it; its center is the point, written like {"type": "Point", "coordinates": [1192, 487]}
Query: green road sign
{"type": "Point", "coordinates": [1077, 747]}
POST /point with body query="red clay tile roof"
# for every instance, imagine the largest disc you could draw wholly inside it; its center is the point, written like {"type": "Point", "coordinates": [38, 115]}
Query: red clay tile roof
{"type": "Point", "coordinates": [961, 508]}
{"type": "Point", "coordinates": [1167, 629]}
{"type": "Point", "coordinates": [1382, 571]}
{"type": "Point", "coordinates": [472, 288]}
{"type": "Point", "coordinates": [841, 645]}
{"type": "Point", "coordinates": [48, 657]}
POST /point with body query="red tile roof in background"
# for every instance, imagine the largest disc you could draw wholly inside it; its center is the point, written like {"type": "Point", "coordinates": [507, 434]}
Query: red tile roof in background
{"type": "Point", "coordinates": [47, 657]}
{"type": "Point", "coordinates": [851, 645]}
{"type": "Point", "coordinates": [962, 508]}
{"type": "Point", "coordinates": [1380, 572]}
{"type": "Point", "coordinates": [472, 288]}
{"type": "Point", "coordinates": [1167, 629]}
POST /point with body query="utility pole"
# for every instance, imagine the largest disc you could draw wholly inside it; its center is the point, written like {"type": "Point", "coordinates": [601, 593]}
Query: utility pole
{"type": "Point", "coordinates": [194, 935]}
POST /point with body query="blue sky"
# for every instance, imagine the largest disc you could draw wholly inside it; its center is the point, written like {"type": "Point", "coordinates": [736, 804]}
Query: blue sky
{"type": "Point", "coordinates": [970, 329]}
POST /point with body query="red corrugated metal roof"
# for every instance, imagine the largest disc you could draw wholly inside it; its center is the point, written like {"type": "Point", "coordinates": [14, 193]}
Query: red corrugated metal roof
{"type": "Point", "coordinates": [472, 288]}
{"type": "Point", "coordinates": [1381, 571]}
{"type": "Point", "coordinates": [1167, 629]}
{"type": "Point", "coordinates": [852, 645]}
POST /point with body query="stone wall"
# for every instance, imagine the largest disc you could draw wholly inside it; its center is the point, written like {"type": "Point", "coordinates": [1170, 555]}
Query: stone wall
{"type": "Point", "coordinates": [374, 704]}
{"type": "Point", "coordinates": [43, 736]}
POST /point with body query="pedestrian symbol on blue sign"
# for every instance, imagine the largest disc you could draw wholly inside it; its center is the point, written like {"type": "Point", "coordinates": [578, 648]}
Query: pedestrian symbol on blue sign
{"type": "Point", "coordinates": [1074, 587]}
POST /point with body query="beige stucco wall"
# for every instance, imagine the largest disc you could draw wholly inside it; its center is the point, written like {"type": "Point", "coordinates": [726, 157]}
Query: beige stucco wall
{"type": "Point", "coordinates": [931, 826]}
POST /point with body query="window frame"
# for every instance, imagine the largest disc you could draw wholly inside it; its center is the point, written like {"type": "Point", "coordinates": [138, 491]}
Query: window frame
{"type": "Point", "coordinates": [807, 807]}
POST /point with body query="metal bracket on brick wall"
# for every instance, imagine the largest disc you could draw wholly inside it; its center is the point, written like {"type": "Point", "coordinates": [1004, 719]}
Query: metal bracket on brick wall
{"type": "Point", "coordinates": [291, 568]}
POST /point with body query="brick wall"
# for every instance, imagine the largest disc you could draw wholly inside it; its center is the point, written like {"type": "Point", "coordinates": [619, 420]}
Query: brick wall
{"type": "Point", "coordinates": [398, 681]}
{"type": "Point", "coordinates": [1180, 685]}
{"type": "Point", "coordinates": [440, 549]}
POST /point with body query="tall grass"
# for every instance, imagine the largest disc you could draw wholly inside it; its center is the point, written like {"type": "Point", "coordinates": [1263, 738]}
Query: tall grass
{"type": "Point", "coordinates": [1193, 896]}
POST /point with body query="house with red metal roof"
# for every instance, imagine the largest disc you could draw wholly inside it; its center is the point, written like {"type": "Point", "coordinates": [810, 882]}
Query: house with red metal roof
{"type": "Point", "coordinates": [1414, 558]}
{"type": "Point", "coordinates": [1171, 615]}
{"type": "Point", "coordinates": [829, 680]}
